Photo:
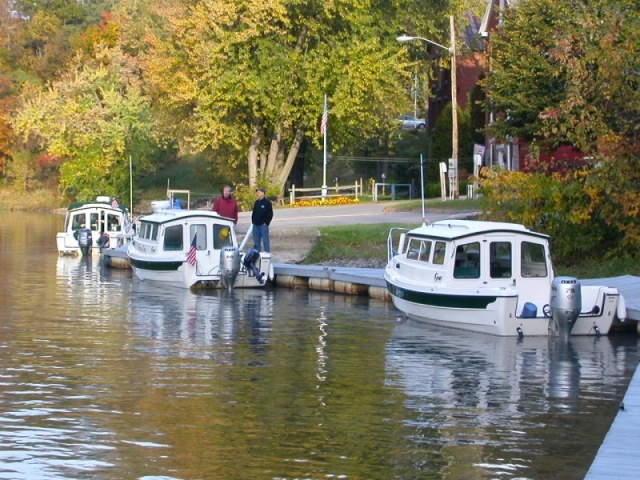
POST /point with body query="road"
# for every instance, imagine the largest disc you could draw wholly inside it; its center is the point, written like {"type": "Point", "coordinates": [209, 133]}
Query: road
{"type": "Point", "coordinates": [362, 213]}
{"type": "Point", "coordinates": [294, 231]}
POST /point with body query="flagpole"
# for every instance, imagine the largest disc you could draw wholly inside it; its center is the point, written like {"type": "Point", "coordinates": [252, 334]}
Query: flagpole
{"type": "Point", "coordinates": [324, 131]}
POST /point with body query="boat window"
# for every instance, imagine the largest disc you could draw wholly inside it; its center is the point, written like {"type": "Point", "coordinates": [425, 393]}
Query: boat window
{"type": "Point", "coordinates": [173, 238]}
{"type": "Point", "coordinates": [78, 221]}
{"type": "Point", "coordinates": [500, 259]}
{"type": "Point", "coordinates": [467, 261]}
{"type": "Point", "coordinates": [438, 254]}
{"type": "Point", "coordinates": [94, 221]}
{"type": "Point", "coordinates": [533, 260]}
{"type": "Point", "coordinates": [413, 248]}
{"type": "Point", "coordinates": [425, 251]}
{"type": "Point", "coordinates": [113, 223]}
{"type": "Point", "coordinates": [154, 232]}
{"type": "Point", "coordinates": [201, 231]}
{"type": "Point", "coordinates": [221, 236]}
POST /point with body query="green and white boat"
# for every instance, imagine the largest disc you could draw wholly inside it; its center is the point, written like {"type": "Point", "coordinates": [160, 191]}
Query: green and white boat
{"type": "Point", "coordinates": [494, 278]}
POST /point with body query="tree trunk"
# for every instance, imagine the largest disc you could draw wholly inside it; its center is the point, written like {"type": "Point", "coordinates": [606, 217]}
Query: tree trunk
{"type": "Point", "coordinates": [291, 158]}
{"type": "Point", "coordinates": [254, 154]}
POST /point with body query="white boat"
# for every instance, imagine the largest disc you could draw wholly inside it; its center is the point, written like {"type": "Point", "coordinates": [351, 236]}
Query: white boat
{"type": "Point", "coordinates": [93, 225]}
{"type": "Point", "coordinates": [194, 248]}
{"type": "Point", "coordinates": [494, 278]}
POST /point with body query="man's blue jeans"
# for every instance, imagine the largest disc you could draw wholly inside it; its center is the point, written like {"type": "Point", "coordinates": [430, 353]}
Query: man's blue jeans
{"type": "Point", "coordinates": [261, 234]}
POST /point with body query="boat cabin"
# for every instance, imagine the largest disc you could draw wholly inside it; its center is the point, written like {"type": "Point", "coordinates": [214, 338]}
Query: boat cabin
{"type": "Point", "coordinates": [99, 216]}
{"type": "Point", "coordinates": [477, 255]}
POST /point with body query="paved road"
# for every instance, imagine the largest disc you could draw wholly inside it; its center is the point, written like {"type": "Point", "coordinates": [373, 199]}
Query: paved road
{"type": "Point", "coordinates": [294, 231]}
{"type": "Point", "coordinates": [381, 212]}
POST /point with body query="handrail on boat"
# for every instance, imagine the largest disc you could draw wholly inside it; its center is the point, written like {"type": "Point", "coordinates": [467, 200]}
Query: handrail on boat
{"type": "Point", "coordinates": [391, 252]}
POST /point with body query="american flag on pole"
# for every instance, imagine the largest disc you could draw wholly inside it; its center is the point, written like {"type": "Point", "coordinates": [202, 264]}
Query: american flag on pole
{"type": "Point", "coordinates": [325, 118]}
{"type": "Point", "coordinates": [191, 256]}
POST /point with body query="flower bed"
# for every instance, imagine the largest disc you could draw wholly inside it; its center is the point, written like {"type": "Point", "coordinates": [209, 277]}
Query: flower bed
{"type": "Point", "coordinates": [317, 202]}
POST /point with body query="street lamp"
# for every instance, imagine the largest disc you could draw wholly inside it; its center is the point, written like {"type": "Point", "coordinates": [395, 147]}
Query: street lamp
{"type": "Point", "coordinates": [454, 96]}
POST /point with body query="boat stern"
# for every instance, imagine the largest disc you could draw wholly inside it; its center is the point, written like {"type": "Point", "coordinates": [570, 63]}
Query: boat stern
{"type": "Point", "coordinates": [67, 245]}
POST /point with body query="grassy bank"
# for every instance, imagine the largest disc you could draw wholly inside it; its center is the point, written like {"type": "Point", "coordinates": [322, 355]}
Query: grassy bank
{"type": "Point", "coordinates": [367, 245]}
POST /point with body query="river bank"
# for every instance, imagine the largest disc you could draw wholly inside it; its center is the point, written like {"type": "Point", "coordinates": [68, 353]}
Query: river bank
{"type": "Point", "coordinates": [346, 236]}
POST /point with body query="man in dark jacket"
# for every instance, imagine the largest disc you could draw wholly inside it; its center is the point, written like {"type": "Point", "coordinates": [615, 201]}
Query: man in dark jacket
{"type": "Point", "coordinates": [226, 205]}
{"type": "Point", "coordinates": [261, 218]}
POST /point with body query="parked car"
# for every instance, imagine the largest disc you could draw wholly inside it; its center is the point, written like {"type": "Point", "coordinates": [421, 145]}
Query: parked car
{"type": "Point", "coordinates": [409, 122]}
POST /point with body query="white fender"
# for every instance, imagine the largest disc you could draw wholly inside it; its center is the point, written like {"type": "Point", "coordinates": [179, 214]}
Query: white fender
{"type": "Point", "coordinates": [621, 309]}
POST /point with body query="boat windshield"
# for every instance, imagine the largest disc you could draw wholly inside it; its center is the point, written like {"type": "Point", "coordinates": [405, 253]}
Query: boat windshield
{"type": "Point", "coordinates": [419, 249]}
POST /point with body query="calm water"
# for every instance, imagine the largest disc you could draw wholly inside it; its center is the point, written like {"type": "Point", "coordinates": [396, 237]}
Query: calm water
{"type": "Point", "coordinates": [103, 377]}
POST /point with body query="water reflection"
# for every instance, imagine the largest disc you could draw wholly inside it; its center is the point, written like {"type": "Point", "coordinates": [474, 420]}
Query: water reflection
{"type": "Point", "coordinates": [200, 319]}
{"type": "Point", "coordinates": [480, 391]}
{"type": "Point", "coordinates": [103, 376]}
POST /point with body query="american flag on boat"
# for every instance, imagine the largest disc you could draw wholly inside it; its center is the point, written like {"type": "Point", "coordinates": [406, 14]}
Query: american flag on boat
{"type": "Point", "coordinates": [191, 256]}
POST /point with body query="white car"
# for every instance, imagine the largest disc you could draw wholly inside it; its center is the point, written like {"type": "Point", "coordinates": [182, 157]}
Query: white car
{"type": "Point", "coordinates": [410, 122]}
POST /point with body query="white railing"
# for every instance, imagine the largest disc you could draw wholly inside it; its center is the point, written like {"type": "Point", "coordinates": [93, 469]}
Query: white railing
{"type": "Point", "coordinates": [296, 194]}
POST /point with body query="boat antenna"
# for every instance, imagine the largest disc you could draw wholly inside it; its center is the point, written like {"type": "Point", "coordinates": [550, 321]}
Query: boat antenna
{"type": "Point", "coordinates": [130, 187]}
{"type": "Point", "coordinates": [424, 220]}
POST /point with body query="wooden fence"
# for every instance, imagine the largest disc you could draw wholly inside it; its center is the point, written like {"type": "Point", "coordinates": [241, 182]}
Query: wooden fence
{"type": "Point", "coordinates": [296, 194]}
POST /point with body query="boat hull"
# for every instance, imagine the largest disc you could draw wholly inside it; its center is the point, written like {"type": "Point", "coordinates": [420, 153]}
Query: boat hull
{"type": "Point", "coordinates": [496, 314]}
{"type": "Point", "coordinates": [182, 274]}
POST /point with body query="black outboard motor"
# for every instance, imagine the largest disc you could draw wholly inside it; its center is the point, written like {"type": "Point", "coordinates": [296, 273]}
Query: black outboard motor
{"type": "Point", "coordinates": [85, 241]}
{"type": "Point", "coordinates": [249, 261]}
{"type": "Point", "coordinates": [229, 266]}
{"type": "Point", "coordinates": [103, 241]}
{"type": "Point", "coordinates": [565, 303]}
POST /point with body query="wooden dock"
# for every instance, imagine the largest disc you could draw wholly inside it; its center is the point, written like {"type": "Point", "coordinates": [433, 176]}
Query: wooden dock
{"type": "Point", "coordinates": [617, 457]}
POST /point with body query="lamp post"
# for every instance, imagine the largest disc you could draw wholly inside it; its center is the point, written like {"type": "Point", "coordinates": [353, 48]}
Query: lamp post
{"type": "Point", "coordinates": [454, 96]}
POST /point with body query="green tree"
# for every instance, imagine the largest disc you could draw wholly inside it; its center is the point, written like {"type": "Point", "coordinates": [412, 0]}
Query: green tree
{"type": "Point", "coordinates": [247, 79]}
{"type": "Point", "coordinates": [94, 118]}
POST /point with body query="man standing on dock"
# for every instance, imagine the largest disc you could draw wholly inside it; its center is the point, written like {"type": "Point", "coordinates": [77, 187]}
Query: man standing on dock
{"type": "Point", "coordinates": [261, 218]}
{"type": "Point", "coordinates": [226, 205]}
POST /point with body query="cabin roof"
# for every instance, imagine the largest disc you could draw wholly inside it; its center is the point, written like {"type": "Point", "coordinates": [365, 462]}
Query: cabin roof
{"type": "Point", "coordinates": [455, 229]}
{"type": "Point", "coordinates": [95, 204]}
{"type": "Point", "coordinates": [165, 216]}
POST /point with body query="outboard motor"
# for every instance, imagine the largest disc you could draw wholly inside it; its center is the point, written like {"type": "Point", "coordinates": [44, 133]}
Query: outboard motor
{"type": "Point", "coordinates": [103, 241]}
{"type": "Point", "coordinates": [249, 262]}
{"type": "Point", "coordinates": [565, 303]}
{"type": "Point", "coordinates": [85, 241]}
{"type": "Point", "coordinates": [229, 266]}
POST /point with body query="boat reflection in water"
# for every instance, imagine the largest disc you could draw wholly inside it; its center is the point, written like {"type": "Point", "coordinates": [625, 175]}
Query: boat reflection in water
{"type": "Point", "coordinates": [444, 366]}
{"type": "Point", "coordinates": [200, 319]}
{"type": "Point", "coordinates": [490, 397]}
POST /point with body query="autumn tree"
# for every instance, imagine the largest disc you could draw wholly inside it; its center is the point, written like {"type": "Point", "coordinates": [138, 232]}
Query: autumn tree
{"type": "Point", "coordinates": [246, 80]}
{"type": "Point", "coordinates": [566, 73]}
{"type": "Point", "coordinates": [95, 119]}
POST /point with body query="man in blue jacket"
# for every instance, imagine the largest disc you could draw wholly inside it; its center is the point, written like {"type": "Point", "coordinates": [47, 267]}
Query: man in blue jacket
{"type": "Point", "coordinates": [261, 218]}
